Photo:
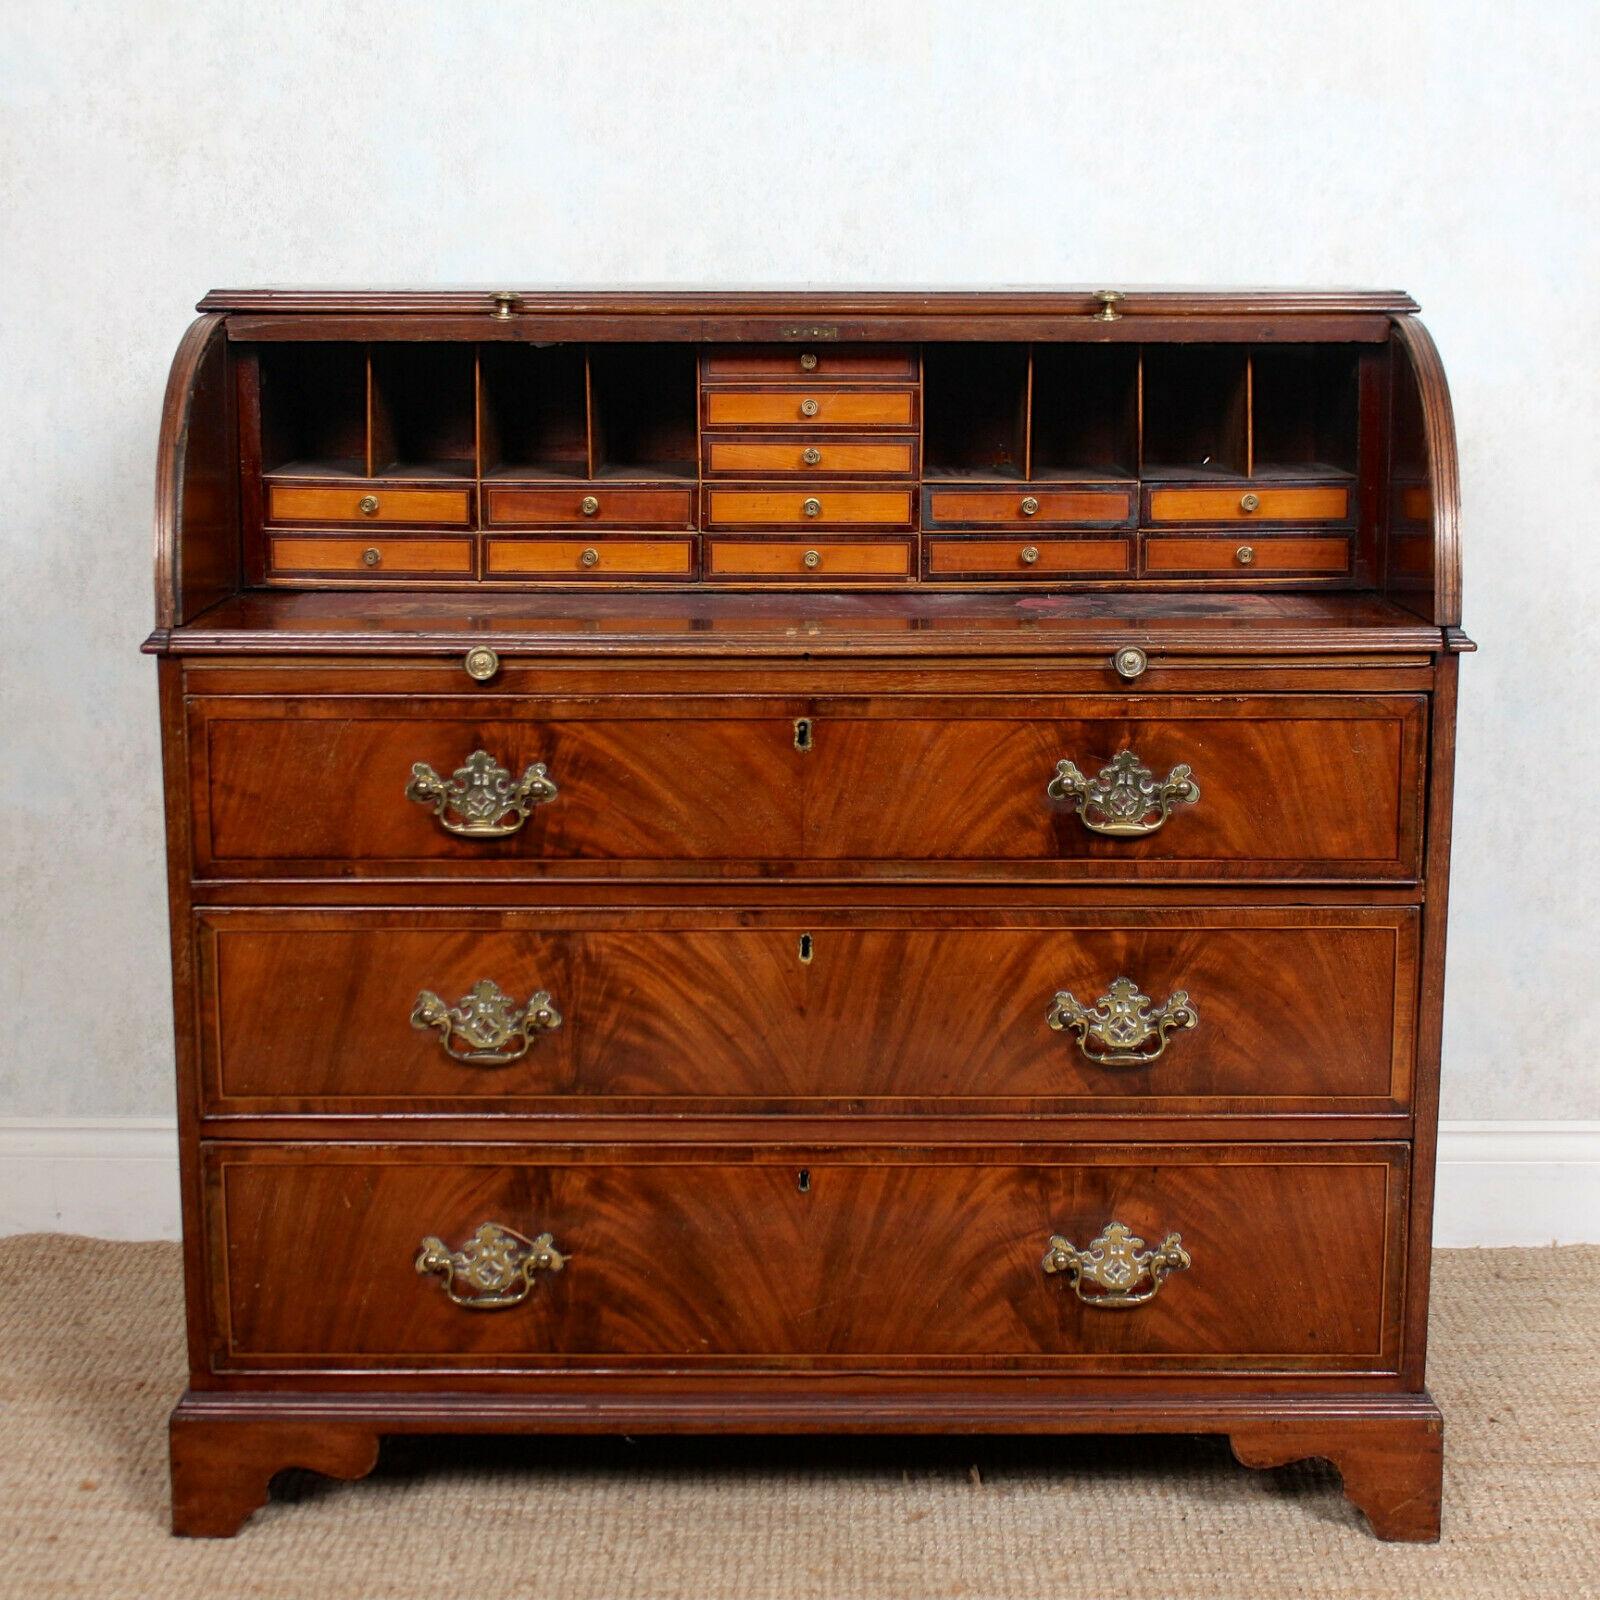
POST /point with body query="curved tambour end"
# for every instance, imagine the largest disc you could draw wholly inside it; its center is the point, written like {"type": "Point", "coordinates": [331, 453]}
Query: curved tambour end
{"type": "Point", "coordinates": [1422, 564]}
{"type": "Point", "coordinates": [197, 545]}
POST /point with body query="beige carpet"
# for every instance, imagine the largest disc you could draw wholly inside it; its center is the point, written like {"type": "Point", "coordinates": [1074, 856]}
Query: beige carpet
{"type": "Point", "coordinates": [91, 1359]}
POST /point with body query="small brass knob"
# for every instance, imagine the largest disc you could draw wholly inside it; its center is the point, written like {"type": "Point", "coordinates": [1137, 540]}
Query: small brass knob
{"type": "Point", "coordinates": [1030, 554]}
{"type": "Point", "coordinates": [481, 663]}
{"type": "Point", "coordinates": [1029, 506]}
{"type": "Point", "coordinates": [1249, 502]}
{"type": "Point", "coordinates": [371, 556]}
{"type": "Point", "coordinates": [590, 557]}
{"type": "Point", "coordinates": [812, 508]}
{"type": "Point", "coordinates": [1244, 555]}
{"type": "Point", "coordinates": [1130, 662]}
{"type": "Point", "coordinates": [589, 505]}
{"type": "Point", "coordinates": [505, 302]}
{"type": "Point", "coordinates": [809, 407]}
{"type": "Point", "coordinates": [811, 455]}
{"type": "Point", "coordinates": [1108, 299]}
{"type": "Point", "coordinates": [808, 362]}
{"type": "Point", "coordinates": [367, 505]}
{"type": "Point", "coordinates": [812, 558]}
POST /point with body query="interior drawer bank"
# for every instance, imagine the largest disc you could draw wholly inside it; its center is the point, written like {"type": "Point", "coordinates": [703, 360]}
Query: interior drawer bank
{"type": "Point", "coordinates": [1248, 786]}
{"type": "Point", "coordinates": [1249, 1010]}
{"type": "Point", "coordinates": [1228, 1258]}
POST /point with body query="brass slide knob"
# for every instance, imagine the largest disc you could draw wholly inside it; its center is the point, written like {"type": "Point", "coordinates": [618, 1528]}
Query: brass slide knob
{"type": "Point", "coordinates": [1108, 299]}
{"type": "Point", "coordinates": [505, 302]}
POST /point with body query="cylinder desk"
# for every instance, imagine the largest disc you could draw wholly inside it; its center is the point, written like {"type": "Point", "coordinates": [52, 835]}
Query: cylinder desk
{"type": "Point", "coordinates": [807, 862]}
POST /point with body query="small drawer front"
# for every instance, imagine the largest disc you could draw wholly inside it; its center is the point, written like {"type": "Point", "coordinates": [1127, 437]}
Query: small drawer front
{"type": "Point", "coordinates": [819, 559]}
{"type": "Point", "coordinates": [1236, 555]}
{"type": "Point", "coordinates": [610, 557]}
{"type": "Point", "coordinates": [740, 456]}
{"type": "Point", "coordinates": [809, 506]}
{"type": "Point", "coordinates": [589, 505]}
{"type": "Point", "coordinates": [1252, 502]}
{"type": "Point", "coordinates": [803, 362]}
{"type": "Point", "coordinates": [745, 1012]}
{"type": "Point", "coordinates": [1024, 559]}
{"type": "Point", "coordinates": [1029, 507]}
{"type": "Point", "coordinates": [810, 408]}
{"type": "Point", "coordinates": [293, 502]}
{"type": "Point", "coordinates": [1229, 1257]}
{"type": "Point", "coordinates": [377, 558]}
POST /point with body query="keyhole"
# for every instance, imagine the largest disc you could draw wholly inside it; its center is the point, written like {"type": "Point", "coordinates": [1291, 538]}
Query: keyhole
{"type": "Point", "coordinates": [802, 733]}
{"type": "Point", "coordinates": [805, 1180]}
{"type": "Point", "coordinates": [805, 949]}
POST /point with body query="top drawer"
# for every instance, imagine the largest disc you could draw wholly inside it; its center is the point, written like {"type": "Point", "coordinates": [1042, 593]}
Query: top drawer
{"type": "Point", "coordinates": [839, 362]}
{"type": "Point", "coordinates": [1247, 787]}
{"type": "Point", "coordinates": [810, 408]}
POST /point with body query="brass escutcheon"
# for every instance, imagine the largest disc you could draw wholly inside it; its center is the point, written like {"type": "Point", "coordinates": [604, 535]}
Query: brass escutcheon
{"type": "Point", "coordinates": [590, 557]}
{"type": "Point", "coordinates": [1245, 555]}
{"type": "Point", "coordinates": [481, 663]}
{"type": "Point", "coordinates": [811, 455]}
{"type": "Point", "coordinates": [812, 558]}
{"type": "Point", "coordinates": [479, 800]}
{"type": "Point", "coordinates": [1124, 800]}
{"type": "Point", "coordinates": [1122, 1022]}
{"type": "Point", "coordinates": [496, 1266]}
{"type": "Point", "coordinates": [809, 408]}
{"type": "Point", "coordinates": [1029, 506]}
{"type": "Point", "coordinates": [588, 505]}
{"type": "Point", "coordinates": [1249, 502]}
{"type": "Point", "coordinates": [1029, 554]}
{"type": "Point", "coordinates": [1115, 1265]}
{"type": "Point", "coordinates": [371, 556]}
{"type": "Point", "coordinates": [367, 505]}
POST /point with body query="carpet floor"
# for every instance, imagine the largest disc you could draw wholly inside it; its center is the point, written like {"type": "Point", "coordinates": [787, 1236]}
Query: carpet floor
{"type": "Point", "coordinates": [91, 1358]}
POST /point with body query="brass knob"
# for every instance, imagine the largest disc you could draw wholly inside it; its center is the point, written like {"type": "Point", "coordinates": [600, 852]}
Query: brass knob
{"type": "Point", "coordinates": [1108, 299]}
{"type": "Point", "coordinates": [1029, 506]}
{"type": "Point", "coordinates": [588, 505]}
{"type": "Point", "coordinates": [505, 302]}
{"type": "Point", "coordinates": [371, 556]}
{"type": "Point", "coordinates": [812, 508]}
{"type": "Point", "coordinates": [1030, 554]}
{"type": "Point", "coordinates": [481, 663]}
{"type": "Point", "coordinates": [1244, 555]}
{"type": "Point", "coordinates": [811, 455]}
{"type": "Point", "coordinates": [590, 557]}
{"type": "Point", "coordinates": [1130, 662]}
{"type": "Point", "coordinates": [812, 558]}
{"type": "Point", "coordinates": [367, 505]}
{"type": "Point", "coordinates": [809, 408]}
{"type": "Point", "coordinates": [1249, 502]}
{"type": "Point", "coordinates": [808, 362]}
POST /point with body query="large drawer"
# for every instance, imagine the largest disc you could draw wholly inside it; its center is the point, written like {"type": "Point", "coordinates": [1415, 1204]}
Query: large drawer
{"type": "Point", "coordinates": [1255, 1258]}
{"type": "Point", "coordinates": [1251, 1010]}
{"type": "Point", "coordinates": [1277, 786]}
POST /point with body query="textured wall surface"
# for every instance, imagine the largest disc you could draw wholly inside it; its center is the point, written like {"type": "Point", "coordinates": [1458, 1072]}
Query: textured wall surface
{"type": "Point", "coordinates": [150, 151]}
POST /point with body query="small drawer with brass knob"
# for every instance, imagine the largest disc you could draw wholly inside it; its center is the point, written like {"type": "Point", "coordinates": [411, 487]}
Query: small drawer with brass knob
{"type": "Point", "coordinates": [847, 506]}
{"type": "Point", "coordinates": [835, 360]}
{"type": "Point", "coordinates": [859, 455]}
{"type": "Point", "coordinates": [1268, 555]}
{"type": "Point", "coordinates": [506, 506]}
{"type": "Point", "coordinates": [799, 406]}
{"type": "Point", "coordinates": [1252, 502]}
{"type": "Point", "coordinates": [820, 560]}
{"type": "Point", "coordinates": [304, 502]}
{"type": "Point", "coordinates": [600, 560]}
{"type": "Point", "coordinates": [1091, 505]}
{"type": "Point", "coordinates": [963, 558]}
{"type": "Point", "coordinates": [308, 556]}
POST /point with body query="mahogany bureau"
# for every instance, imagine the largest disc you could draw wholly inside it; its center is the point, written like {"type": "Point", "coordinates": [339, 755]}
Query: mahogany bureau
{"type": "Point", "coordinates": [807, 862]}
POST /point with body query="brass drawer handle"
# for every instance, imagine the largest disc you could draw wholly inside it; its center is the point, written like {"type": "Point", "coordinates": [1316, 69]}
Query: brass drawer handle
{"type": "Point", "coordinates": [1029, 554]}
{"type": "Point", "coordinates": [1245, 555]}
{"type": "Point", "coordinates": [494, 1029]}
{"type": "Point", "coordinates": [590, 557]}
{"type": "Point", "coordinates": [812, 507]}
{"type": "Point", "coordinates": [1125, 800]}
{"type": "Point", "coordinates": [1029, 506]}
{"type": "Point", "coordinates": [811, 455]}
{"type": "Point", "coordinates": [1249, 502]}
{"type": "Point", "coordinates": [1122, 1022]}
{"type": "Point", "coordinates": [371, 556]}
{"type": "Point", "coordinates": [1129, 662]}
{"type": "Point", "coordinates": [494, 1268]}
{"type": "Point", "coordinates": [812, 558]}
{"type": "Point", "coordinates": [808, 362]}
{"type": "Point", "coordinates": [367, 505]}
{"type": "Point", "coordinates": [481, 663]}
{"type": "Point", "coordinates": [809, 408]}
{"type": "Point", "coordinates": [1115, 1265]}
{"type": "Point", "coordinates": [479, 800]}
{"type": "Point", "coordinates": [589, 506]}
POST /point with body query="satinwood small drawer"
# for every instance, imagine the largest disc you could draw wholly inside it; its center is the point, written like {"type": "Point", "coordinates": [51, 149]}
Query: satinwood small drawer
{"type": "Point", "coordinates": [1238, 555]}
{"type": "Point", "coordinates": [599, 559]}
{"type": "Point", "coordinates": [1233, 1011]}
{"type": "Point", "coordinates": [1024, 559]}
{"type": "Point", "coordinates": [815, 559]}
{"type": "Point", "coordinates": [1246, 501]}
{"type": "Point", "coordinates": [811, 505]}
{"type": "Point", "coordinates": [295, 502]}
{"type": "Point", "coordinates": [380, 556]}
{"type": "Point", "coordinates": [1028, 507]}
{"type": "Point", "coordinates": [743, 456]}
{"type": "Point", "coordinates": [1116, 1259]}
{"type": "Point", "coordinates": [804, 362]}
{"type": "Point", "coordinates": [809, 408]}
{"type": "Point", "coordinates": [588, 505]}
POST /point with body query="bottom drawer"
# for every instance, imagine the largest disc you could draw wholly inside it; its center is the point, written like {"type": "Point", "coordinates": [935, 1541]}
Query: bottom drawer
{"type": "Point", "coordinates": [1256, 556]}
{"type": "Point", "coordinates": [372, 555]}
{"type": "Point", "coordinates": [1255, 1257]}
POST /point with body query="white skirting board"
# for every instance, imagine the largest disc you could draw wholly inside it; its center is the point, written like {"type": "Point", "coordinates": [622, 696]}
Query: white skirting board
{"type": "Point", "coordinates": [1500, 1183]}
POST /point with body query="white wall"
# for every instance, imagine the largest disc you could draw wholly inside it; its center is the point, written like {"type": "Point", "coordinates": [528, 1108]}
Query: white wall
{"type": "Point", "coordinates": [149, 151]}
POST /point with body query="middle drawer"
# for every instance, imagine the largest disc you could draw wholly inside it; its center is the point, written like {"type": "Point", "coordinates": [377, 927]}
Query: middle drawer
{"type": "Point", "coordinates": [1238, 1010]}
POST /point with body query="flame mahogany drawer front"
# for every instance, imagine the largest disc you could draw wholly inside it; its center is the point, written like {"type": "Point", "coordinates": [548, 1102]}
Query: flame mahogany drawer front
{"type": "Point", "coordinates": [1266, 1257]}
{"type": "Point", "coordinates": [374, 503]}
{"type": "Point", "coordinates": [1176, 1011]}
{"type": "Point", "coordinates": [1265, 787]}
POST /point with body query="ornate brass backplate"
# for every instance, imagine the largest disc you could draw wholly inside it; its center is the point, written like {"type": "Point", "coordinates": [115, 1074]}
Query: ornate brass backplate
{"type": "Point", "coordinates": [1125, 800]}
{"type": "Point", "coordinates": [494, 1028]}
{"type": "Point", "coordinates": [1122, 1022]}
{"type": "Point", "coordinates": [494, 1268]}
{"type": "Point", "coordinates": [1110, 1272]}
{"type": "Point", "coordinates": [479, 800]}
